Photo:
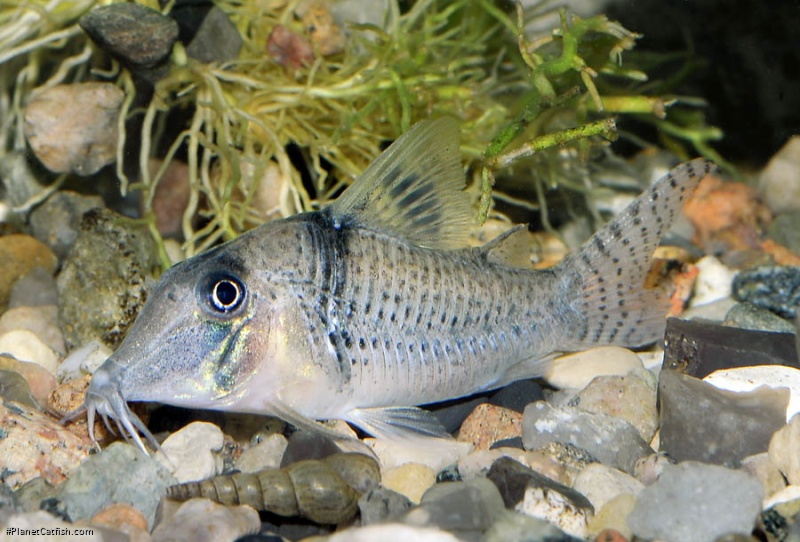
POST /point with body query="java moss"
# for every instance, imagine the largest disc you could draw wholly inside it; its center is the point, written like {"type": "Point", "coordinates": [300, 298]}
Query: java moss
{"type": "Point", "coordinates": [537, 103]}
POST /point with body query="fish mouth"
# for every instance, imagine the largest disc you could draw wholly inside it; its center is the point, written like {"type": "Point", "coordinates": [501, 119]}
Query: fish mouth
{"type": "Point", "coordinates": [104, 398]}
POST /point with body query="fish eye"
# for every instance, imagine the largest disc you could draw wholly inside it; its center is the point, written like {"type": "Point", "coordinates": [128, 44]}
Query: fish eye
{"type": "Point", "coordinates": [225, 293]}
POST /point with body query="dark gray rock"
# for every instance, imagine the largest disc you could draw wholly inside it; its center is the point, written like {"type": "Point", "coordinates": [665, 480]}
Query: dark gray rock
{"type": "Point", "coordinates": [56, 222]}
{"type": "Point", "coordinates": [702, 423]}
{"type": "Point", "coordinates": [514, 442]}
{"type": "Point", "coordinates": [121, 474]}
{"type": "Point", "coordinates": [749, 316]}
{"type": "Point", "coordinates": [512, 479]}
{"type": "Point", "coordinates": [140, 37]}
{"type": "Point", "coordinates": [448, 474]}
{"type": "Point", "coordinates": [381, 504]}
{"type": "Point", "coordinates": [307, 445]}
{"type": "Point", "coordinates": [104, 280]}
{"type": "Point", "coordinates": [693, 502]}
{"type": "Point", "coordinates": [216, 40]}
{"type": "Point", "coordinates": [612, 441]}
{"type": "Point", "coordinates": [466, 509]}
{"type": "Point", "coordinates": [699, 348]}
{"type": "Point", "coordinates": [774, 288]}
{"type": "Point", "coordinates": [14, 387]}
{"type": "Point", "coordinates": [36, 288]}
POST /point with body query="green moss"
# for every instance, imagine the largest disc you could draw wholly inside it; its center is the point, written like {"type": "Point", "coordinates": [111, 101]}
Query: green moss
{"type": "Point", "coordinates": [534, 102]}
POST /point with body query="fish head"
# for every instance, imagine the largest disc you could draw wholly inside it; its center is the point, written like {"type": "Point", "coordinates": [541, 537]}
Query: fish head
{"type": "Point", "coordinates": [198, 341]}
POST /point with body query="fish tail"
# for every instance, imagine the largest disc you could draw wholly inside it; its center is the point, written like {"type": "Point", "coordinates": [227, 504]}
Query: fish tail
{"type": "Point", "coordinates": [606, 276]}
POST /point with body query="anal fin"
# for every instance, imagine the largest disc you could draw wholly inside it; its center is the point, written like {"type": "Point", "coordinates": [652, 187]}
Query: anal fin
{"type": "Point", "coordinates": [396, 423]}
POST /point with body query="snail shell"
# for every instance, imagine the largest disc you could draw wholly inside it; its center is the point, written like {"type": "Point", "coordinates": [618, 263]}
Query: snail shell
{"type": "Point", "coordinates": [324, 491]}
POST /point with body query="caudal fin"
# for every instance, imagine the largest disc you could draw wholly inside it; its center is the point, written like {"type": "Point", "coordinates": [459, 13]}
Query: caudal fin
{"type": "Point", "coordinates": [609, 270]}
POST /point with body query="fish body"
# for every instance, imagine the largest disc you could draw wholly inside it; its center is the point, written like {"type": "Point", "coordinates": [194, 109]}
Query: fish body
{"type": "Point", "coordinates": [367, 308]}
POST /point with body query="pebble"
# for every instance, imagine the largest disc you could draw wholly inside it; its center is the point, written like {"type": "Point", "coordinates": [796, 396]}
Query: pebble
{"type": "Point", "coordinates": [266, 454]}
{"type": "Point", "coordinates": [613, 441]}
{"type": "Point", "coordinates": [83, 361]}
{"type": "Point", "coordinates": [35, 288]}
{"type": "Point", "coordinates": [26, 346]}
{"type": "Point", "coordinates": [20, 254]}
{"type": "Point", "coordinates": [289, 49]}
{"type": "Point", "coordinates": [140, 37]}
{"type": "Point", "coordinates": [19, 181]}
{"type": "Point", "coordinates": [122, 517]}
{"type": "Point", "coordinates": [33, 445]}
{"type": "Point", "coordinates": [576, 371]}
{"type": "Point", "coordinates": [100, 301]}
{"type": "Point", "coordinates": [489, 423]}
{"type": "Point", "coordinates": [121, 474]}
{"type": "Point", "coordinates": [785, 230]}
{"type": "Point", "coordinates": [648, 469]}
{"type": "Point", "coordinates": [700, 348]}
{"type": "Point", "coordinates": [694, 502]}
{"type": "Point", "coordinates": [517, 527]}
{"type": "Point", "coordinates": [752, 378]}
{"type": "Point", "coordinates": [702, 423]}
{"type": "Point", "coordinates": [535, 495]}
{"type": "Point", "coordinates": [199, 520]}
{"type": "Point", "coordinates": [466, 509]}
{"type": "Point", "coordinates": [762, 468]}
{"type": "Point", "coordinates": [437, 454]}
{"type": "Point", "coordinates": [171, 196]}
{"type": "Point", "coordinates": [381, 505]}
{"type": "Point", "coordinates": [613, 515]}
{"type": "Point", "coordinates": [40, 320]}
{"type": "Point", "coordinates": [631, 398]}
{"type": "Point", "coordinates": [327, 36]}
{"type": "Point", "coordinates": [477, 463]}
{"type": "Point", "coordinates": [410, 480]}
{"type": "Point", "coordinates": [56, 221]}
{"type": "Point", "coordinates": [392, 532]}
{"type": "Point", "coordinates": [192, 453]}
{"type": "Point", "coordinates": [779, 184]}
{"type": "Point", "coordinates": [81, 139]}
{"type": "Point", "coordinates": [783, 450]}
{"type": "Point", "coordinates": [713, 282]}
{"type": "Point", "coordinates": [749, 316]}
{"type": "Point", "coordinates": [14, 387]}
{"type": "Point", "coordinates": [40, 381]}
{"type": "Point", "coordinates": [600, 483]}
{"type": "Point", "coordinates": [774, 288]}
{"type": "Point", "coordinates": [216, 40]}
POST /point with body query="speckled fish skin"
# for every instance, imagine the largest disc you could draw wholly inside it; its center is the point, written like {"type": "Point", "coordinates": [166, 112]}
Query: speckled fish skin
{"type": "Point", "coordinates": [327, 315]}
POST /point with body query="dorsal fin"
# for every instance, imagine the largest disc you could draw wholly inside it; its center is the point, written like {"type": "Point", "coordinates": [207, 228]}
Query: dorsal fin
{"type": "Point", "coordinates": [415, 189]}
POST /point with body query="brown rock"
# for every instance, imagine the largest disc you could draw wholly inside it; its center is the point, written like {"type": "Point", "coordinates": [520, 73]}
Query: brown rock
{"type": "Point", "coordinates": [36, 445]}
{"type": "Point", "coordinates": [39, 380]}
{"type": "Point", "coordinates": [74, 127]}
{"type": "Point", "coordinates": [489, 423]}
{"type": "Point", "coordinates": [19, 254]}
{"type": "Point", "coordinates": [328, 36]}
{"type": "Point", "coordinates": [610, 535]}
{"type": "Point", "coordinates": [119, 516]}
{"type": "Point", "coordinates": [289, 49]}
{"type": "Point", "coordinates": [171, 196]}
{"type": "Point", "coordinates": [67, 398]}
{"type": "Point", "coordinates": [41, 320]}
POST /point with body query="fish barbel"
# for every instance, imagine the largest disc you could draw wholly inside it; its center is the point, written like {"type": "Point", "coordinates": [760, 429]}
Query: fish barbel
{"type": "Point", "coordinates": [367, 308]}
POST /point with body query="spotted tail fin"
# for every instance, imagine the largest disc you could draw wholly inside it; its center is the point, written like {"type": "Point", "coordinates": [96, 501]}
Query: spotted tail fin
{"type": "Point", "coordinates": [608, 272]}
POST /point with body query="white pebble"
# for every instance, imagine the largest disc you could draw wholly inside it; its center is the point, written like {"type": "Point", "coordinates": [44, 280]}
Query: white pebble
{"type": "Point", "coordinates": [576, 371]}
{"type": "Point", "coordinates": [713, 283]}
{"type": "Point", "coordinates": [26, 346]}
{"type": "Point", "coordinates": [435, 453]}
{"type": "Point", "coordinates": [267, 454]}
{"type": "Point", "coordinates": [190, 452]}
{"type": "Point", "coordinates": [750, 378]}
{"type": "Point", "coordinates": [84, 360]}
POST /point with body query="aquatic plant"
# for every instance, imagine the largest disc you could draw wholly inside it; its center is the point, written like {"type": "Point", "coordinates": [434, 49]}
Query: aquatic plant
{"type": "Point", "coordinates": [302, 133]}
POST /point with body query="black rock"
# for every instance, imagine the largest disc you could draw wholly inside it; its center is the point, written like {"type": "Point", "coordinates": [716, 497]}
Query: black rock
{"type": "Point", "coordinates": [512, 479]}
{"type": "Point", "coordinates": [703, 423]}
{"type": "Point", "coordinates": [307, 445]}
{"type": "Point", "coordinates": [699, 348]}
{"type": "Point", "coordinates": [140, 37]}
{"type": "Point", "coordinates": [518, 395]}
{"type": "Point", "coordinates": [513, 442]}
{"type": "Point", "coordinates": [448, 474]}
{"type": "Point", "coordinates": [381, 504]}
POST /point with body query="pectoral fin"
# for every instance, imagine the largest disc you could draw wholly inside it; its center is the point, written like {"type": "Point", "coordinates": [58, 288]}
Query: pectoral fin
{"type": "Point", "coordinates": [395, 423]}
